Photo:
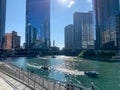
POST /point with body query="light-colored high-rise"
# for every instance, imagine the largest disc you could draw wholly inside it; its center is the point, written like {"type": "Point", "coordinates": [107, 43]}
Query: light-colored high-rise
{"type": "Point", "coordinates": [83, 30]}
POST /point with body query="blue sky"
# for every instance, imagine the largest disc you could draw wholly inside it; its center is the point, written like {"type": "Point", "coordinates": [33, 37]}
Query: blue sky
{"type": "Point", "coordinates": [61, 15]}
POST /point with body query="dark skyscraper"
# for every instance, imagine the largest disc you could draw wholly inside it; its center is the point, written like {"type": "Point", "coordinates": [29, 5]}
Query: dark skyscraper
{"type": "Point", "coordinates": [2, 21]}
{"type": "Point", "coordinates": [118, 30]}
{"type": "Point", "coordinates": [105, 16]}
{"type": "Point", "coordinates": [38, 16]}
{"type": "Point", "coordinates": [69, 37]}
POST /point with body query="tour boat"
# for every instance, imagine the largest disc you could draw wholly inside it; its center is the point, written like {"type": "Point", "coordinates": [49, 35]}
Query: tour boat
{"type": "Point", "coordinates": [91, 73]}
{"type": "Point", "coordinates": [53, 56]}
{"type": "Point", "coordinates": [45, 67]}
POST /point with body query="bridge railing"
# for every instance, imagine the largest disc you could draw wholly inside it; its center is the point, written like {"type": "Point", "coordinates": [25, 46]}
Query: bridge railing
{"type": "Point", "coordinates": [38, 82]}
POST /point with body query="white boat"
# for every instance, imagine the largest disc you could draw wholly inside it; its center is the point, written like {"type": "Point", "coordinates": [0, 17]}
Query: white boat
{"type": "Point", "coordinates": [91, 73]}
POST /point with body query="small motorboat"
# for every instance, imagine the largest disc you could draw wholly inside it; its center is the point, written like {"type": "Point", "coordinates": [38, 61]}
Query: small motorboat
{"type": "Point", "coordinates": [91, 73]}
{"type": "Point", "coordinates": [45, 68]}
{"type": "Point", "coordinates": [53, 56]}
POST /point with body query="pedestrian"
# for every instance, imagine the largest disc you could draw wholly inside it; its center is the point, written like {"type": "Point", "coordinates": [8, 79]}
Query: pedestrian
{"type": "Point", "coordinates": [80, 88]}
{"type": "Point", "coordinates": [93, 87]}
{"type": "Point", "coordinates": [31, 73]}
{"type": "Point", "coordinates": [71, 86]}
{"type": "Point", "coordinates": [68, 86]}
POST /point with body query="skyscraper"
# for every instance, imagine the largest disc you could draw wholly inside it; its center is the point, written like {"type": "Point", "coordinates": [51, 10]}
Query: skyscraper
{"type": "Point", "coordinates": [15, 40]}
{"type": "Point", "coordinates": [118, 30]}
{"type": "Point", "coordinates": [2, 21]}
{"type": "Point", "coordinates": [38, 16]}
{"type": "Point", "coordinates": [69, 37]}
{"type": "Point", "coordinates": [105, 18]}
{"type": "Point", "coordinates": [83, 30]}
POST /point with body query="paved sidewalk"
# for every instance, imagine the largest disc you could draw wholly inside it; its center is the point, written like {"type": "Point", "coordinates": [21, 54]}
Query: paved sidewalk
{"type": "Point", "coordinates": [4, 85]}
{"type": "Point", "coordinates": [8, 83]}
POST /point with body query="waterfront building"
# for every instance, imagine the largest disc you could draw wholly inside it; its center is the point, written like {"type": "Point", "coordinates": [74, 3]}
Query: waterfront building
{"type": "Point", "coordinates": [83, 30]}
{"type": "Point", "coordinates": [105, 23]}
{"type": "Point", "coordinates": [31, 36]}
{"type": "Point", "coordinates": [69, 37]}
{"type": "Point", "coordinates": [16, 40]}
{"type": "Point", "coordinates": [38, 24]}
{"type": "Point", "coordinates": [12, 41]}
{"type": "Point", "coordinates": [2, 21]}
{"type": "Point", "coordinates": [8, 41]}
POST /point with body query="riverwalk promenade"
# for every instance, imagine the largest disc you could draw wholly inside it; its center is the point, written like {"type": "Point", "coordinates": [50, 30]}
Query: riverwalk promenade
{"type": "Point", "coordinates": [4, 85]}
{"type": "Point", "coordinates": [27, 80]}
{"type": "Point", "coordinates": [8, 83]}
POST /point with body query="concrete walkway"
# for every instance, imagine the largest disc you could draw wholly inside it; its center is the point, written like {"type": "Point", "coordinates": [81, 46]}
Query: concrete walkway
{"type": "Point", "coordinates": [8, 83]}
{"type": "Point", "coordinates": [4, 85]}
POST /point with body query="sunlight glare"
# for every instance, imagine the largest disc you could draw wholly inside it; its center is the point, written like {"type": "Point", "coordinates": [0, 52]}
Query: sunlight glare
{"type": "Point", "coordinates": [63, 2]}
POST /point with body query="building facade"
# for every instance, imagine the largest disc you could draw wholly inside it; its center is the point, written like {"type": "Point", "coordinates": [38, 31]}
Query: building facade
{"type": "Point", "coordinates": [38, 24]}
{"type": "Point", "coordinates": [83, 30]}
{"type": "Point", "coordinates": [105, 23]}
{"type": "Point", "coordinates": [69, 37]}
{"type": "Point", "coordinates": [8, 41]}
{"type": "Point", "coordinates": [12, 41]}
{"type": "Point", "coordinates": [2, 21]}
{"type": "Point", "coordinates": [16, 40]}
{"type": "Point", "coordinates": [118, 30]}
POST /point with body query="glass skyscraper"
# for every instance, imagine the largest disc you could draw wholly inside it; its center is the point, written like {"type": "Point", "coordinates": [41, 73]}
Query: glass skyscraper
{"type": "Point", "coordinates": [83, 30]}
{"type": "Point", "coordinates": [38, 24]}
{"type": "Point", "coordinates": [69, 37]}
{"type": "Point", "coordinates": [105, 20]}
{"type": "Point", "coordinates": [2, 21]}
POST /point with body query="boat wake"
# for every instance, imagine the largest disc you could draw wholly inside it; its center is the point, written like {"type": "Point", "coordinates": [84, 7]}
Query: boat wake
{"type": "Point", "coordinates": [64, 70]}
{"type": "Point", "coordinates": [71, 72]}
{"type": "Point", "coordinates": [34, 66]}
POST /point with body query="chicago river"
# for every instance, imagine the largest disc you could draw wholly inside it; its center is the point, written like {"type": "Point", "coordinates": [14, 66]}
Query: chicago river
{"type": "Point", "coordinates": [71, 69]}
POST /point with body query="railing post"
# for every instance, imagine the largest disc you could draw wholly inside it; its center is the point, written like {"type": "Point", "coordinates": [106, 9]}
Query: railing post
{"type": "Point", "coordinates": [23, 75]}
{"type": "Point", "coordinates": [34, 80]}
{"type": "Point", "coordinates": [48, 83]}
{"type": "Point", "coordinates": [19, 73]}
{"type": "Point", "coordinates": [28, 76]}
{"type": "Point", "coordinates": [43, 81]}
{"type": "Point", "coordinates": [60, 86]}
{"type": "Point", "coordinates": [54, 86]}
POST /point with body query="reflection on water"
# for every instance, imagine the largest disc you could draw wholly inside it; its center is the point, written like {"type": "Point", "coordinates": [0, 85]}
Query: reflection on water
{"type": "Point", "coordinates": [66, 71]}
{"type": "Point", "coordinates": [72, 69]}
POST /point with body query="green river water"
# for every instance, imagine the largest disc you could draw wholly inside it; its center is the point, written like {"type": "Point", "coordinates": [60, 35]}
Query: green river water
{"type": "Point", "coordinates": [72, 69]}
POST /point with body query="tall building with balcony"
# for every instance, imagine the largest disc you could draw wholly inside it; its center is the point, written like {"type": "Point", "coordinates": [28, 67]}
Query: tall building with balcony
{"type": "Point", "coordinates": [12, 41]}
{"type": "Point", "coordinates": [2, 21]}
{"type": "Point", "coordinates": [38, 24]}
{"type": "Point", "coordinates": [69, 37]}
{"type": "Point", "coordinates": [83, 30]}
{"type": "Point", "coordinates": [105, 23]}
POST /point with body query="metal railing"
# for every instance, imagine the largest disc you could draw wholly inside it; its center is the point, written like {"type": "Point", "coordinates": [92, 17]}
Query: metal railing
{"type": "Point", "coordinates": [38, 82]}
